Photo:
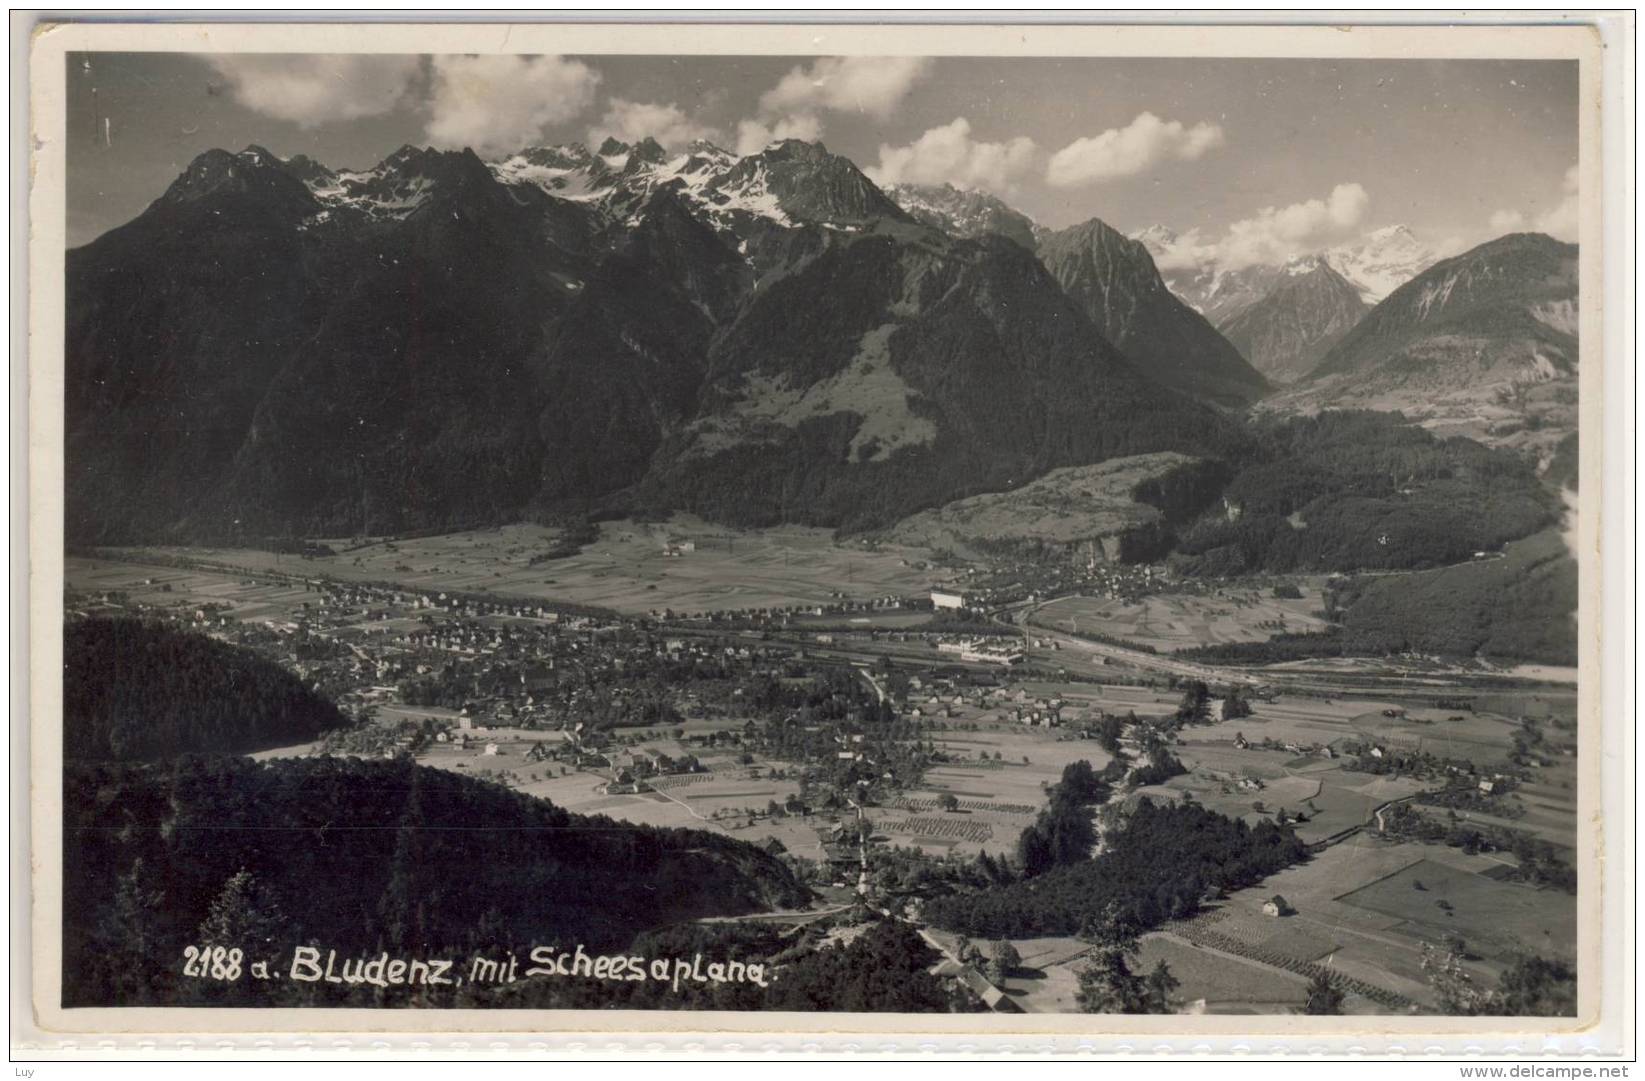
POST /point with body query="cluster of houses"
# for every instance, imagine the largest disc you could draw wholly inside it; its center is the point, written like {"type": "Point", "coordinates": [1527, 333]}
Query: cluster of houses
{"type": "Point", "coordinates": [631, 770]}
{"type": "Point", "coordinates": [838, 604]}
{"type": "Point", "coordinates": [940, 698]}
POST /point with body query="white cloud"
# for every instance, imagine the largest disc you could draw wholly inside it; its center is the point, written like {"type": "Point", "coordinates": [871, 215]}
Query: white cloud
{"type": "Point", "coordinates": [1121, 152]}
{"type": "Point", "coordinates": [1187, 251]}
{"type": "Point", "coordinates": [502, 103]}
{"type": "Point", "coordinates": [874, 85]}
{"type": "Point", "coordinates": [794, 108]}
{"type": "Point", "coordinates": [311, 89]}
{"type": "Point", "coordinates": [1561, 222]}
{"type": "Point", "coordinates": [1273, 235]}
{"type": "Point", "coordinates": [632, 121]}
{"type": "Point", "coordinates": [754, 136]}
{"type": "Point", "coordinates": [948, 155]}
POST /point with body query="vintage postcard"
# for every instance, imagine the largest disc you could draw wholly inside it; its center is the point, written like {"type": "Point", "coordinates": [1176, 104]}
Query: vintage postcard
{"type": "Point", "coordinates": [1094, 532]}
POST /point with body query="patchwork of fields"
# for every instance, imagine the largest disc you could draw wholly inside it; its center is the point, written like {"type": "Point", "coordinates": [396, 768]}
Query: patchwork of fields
{"type": "Point", "coordinates": [628, 569]}
{"type": "Point", "coordinates": [1170, 621]}
{"type": "Point", "coordinates": [1363, 906]}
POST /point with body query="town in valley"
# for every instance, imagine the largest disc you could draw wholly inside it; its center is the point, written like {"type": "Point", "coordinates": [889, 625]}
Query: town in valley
{"type": "Point", "coordinates": [1096, 535]}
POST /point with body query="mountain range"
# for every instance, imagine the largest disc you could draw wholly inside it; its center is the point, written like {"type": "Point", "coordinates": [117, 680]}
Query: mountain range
{"type": "Point", "coordinates": [1287, 332]}
{"type": "Point", "coordinates": [1484, 343]}
{"type": "Point", "coordinates": [275, 347]}
{"type": "Point", "coordinates": [964, 213]}
{"type": "Point", "coordinates": [1375, 265]}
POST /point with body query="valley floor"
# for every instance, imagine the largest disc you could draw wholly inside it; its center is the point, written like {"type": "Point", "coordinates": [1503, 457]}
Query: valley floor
{"type": "Point", "coordinates": [1364, 904]}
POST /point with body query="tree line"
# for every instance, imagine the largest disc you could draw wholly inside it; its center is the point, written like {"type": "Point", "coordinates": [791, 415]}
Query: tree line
{"type": "Point", "coordinates": [1163, 862]}
{"type": "Point", "coordinates": [135, 690]}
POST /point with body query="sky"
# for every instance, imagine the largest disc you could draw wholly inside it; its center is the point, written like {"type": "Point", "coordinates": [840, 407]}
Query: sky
{"type": "Point", "coordinates": [1249, 160]}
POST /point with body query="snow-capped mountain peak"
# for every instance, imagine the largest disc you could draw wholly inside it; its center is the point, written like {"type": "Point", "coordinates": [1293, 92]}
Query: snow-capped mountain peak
{"type": "Point", "coordinates": [965, 213]}
{"type": "Point", "coordinates": [1382, 261]}
{"type": "Point", "coordinates": [1156, 238]}
{"type": "Point", "coordinates": [1376, 264]}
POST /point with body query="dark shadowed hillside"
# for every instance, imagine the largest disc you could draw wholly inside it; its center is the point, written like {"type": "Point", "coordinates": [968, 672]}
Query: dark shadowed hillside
{"type": "Point", "coordinates": [1484, 342]}
{"type": "Point", "coordinates": [278, 349]}
{"type": "Point", "coordinates": [1286, 333]}
{"type": "Point", "coordinates": [1115, 283]}
{"type": "Point", "coordinates": [360, 856]}
{"type": "Point", "coordinates": [135, 690]}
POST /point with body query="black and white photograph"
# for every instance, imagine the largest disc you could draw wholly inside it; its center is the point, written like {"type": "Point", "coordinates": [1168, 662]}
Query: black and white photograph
{"type": "Point", "coordinates": [881, 532]}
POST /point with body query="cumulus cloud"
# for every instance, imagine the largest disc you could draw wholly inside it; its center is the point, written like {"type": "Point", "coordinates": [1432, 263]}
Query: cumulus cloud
{"type": "Point", "coordinates": [794, 108]}
{"type": "Point", "coordinates": [311, 89]}
{"type": "Point", "coordinates": [874, 85]}
{"type": "Point", "coordinates": [1559, 222]}
{"type": "Point", "coordinates": [1187, 251]}
{"type": "Point", "coordinates": [632, 121]}
{"type": "Point", "coordinates": [949, 155]}
{"type": "Point", "coordinates": [501, 103]}
{"type": "Point", "coordinates": [754, 136]}
{"type": "Point", "coordinates": [1273, 234]}
{"type": "Point", "coordinates": [1119, 152]}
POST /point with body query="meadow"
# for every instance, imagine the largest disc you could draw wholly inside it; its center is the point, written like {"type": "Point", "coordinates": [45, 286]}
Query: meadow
{"type": "Point", "coordinates": [1170, 621]}
{"type": "Point", "coordinates": [628, 569]}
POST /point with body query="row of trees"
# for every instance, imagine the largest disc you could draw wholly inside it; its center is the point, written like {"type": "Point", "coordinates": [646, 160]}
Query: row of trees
{"type": "Point", "coordinates": [1063, 834]}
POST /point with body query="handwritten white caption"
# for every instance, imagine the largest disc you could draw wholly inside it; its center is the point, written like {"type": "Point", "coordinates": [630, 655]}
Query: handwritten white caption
{"type": "Point", "coordinates": [228, 964]}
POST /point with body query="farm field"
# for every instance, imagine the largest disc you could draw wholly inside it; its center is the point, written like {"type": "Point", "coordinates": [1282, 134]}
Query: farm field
{"type": "Point", "coordinates": [1359, 915]}
{"type": "Point", "coordinates": [247, 601]}
{"type": "Point", "coordinates": [1504, 913]}
{"type": "Point", "coordinates": [1216, 982]}
{"type": "Point", "coordinates": [717, 798]}
{"type": "Point", "coordinates": [1170, 621]}
{"type": "Point", "coordinates": [997, 798]}
{"type": "Point", "coordinates": [1549, 802]}
{"type": "Point", "coordinates": [1234, 780]}
{"type": "Point", "coordinates": [626, 570]}
{"type": "Point", "coordinates": [1333, 799]}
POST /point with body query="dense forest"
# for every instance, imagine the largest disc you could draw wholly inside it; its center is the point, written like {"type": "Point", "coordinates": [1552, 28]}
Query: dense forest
{"type": "Point", "coordinates": [1360, 490]}
{"type": "Point", "coordinates": [1518, 608]}
{"type": "Point", "coordinates": [360, 857]}
{"type": "Point", "coordinates": [883, 970]}
{"type": "Point", "coordinates": [1158, 867]}
{"type": "Point", "coordinates": [1521, 607]}
{"type": "Point", "coordinates": [134, 691]}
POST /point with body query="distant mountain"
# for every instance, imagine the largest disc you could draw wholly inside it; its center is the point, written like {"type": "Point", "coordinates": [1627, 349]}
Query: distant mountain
{"type": "Point", "coordinates": [1286, 333]}
{"type": "Point", "coordinates": [1484, 342]}
{"type": "Point", "coordinates": [1115, 283]}
{"type": "Point", "coordinates": [1209, 289]}
{"type": "Point", "coordinates": [966, 213]}
{"type": "Point", "coordinates": [1376, 265]}
{"type": "Point", "coordinates": [278, 348]}
{"type": "Point", "coordinates": [1382, 261]}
